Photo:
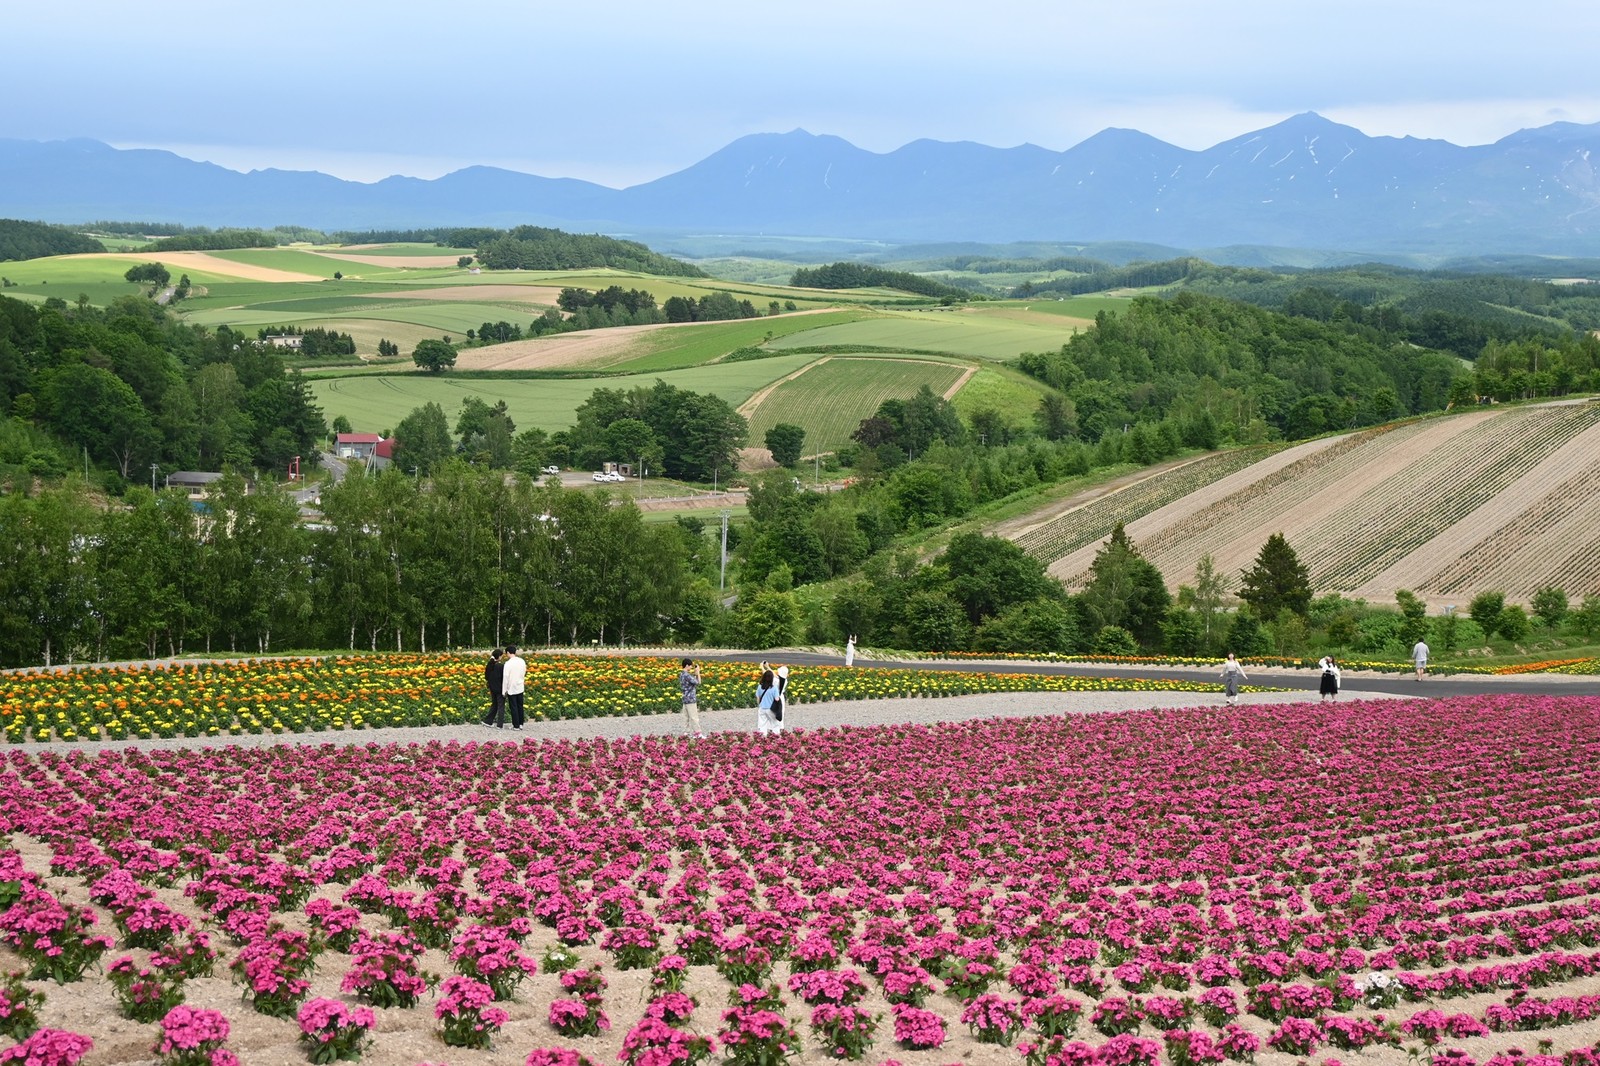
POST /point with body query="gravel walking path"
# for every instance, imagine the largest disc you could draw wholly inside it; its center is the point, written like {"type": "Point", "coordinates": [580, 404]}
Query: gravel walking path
{"type": "Point", "coordinates": [802, 716]}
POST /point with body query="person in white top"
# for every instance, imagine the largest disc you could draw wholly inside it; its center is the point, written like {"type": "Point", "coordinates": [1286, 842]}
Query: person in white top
{"type": "Point", "coordinates": [1329, 686]}
{"type": "Point", "coordinates": [850, 651]}
{"type": "Point", "coordinates": [512, 683]}
{"type": "Point", "coordinates": [1232, 675]}
{"type": "Point", "coordinates": [1419, 658]}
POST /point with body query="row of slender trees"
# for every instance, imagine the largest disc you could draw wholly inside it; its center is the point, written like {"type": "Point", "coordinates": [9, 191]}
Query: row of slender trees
{"type": "Point", "coordinates": [467, 557]}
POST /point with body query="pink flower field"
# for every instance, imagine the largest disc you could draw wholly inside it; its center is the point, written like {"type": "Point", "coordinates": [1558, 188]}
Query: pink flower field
{"type": "Point", "coordinates": [1363, 882]}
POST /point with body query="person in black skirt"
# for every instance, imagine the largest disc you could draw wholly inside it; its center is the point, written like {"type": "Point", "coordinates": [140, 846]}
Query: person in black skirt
{"type": "Point", "coordinates": [1330, 679]}
{"type": "Point", "coordinates": [493, 673]}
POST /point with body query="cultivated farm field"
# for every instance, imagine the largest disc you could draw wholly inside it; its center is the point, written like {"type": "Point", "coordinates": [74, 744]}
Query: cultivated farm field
{"type": "Point", "coordinates": [1488, 499]}
{"type": "Point", "coordinates": [997, 332]}
{"type": "Point", "coordinates": [1176, 886]}
{"type": "Point", "coordinates": [831, 396]}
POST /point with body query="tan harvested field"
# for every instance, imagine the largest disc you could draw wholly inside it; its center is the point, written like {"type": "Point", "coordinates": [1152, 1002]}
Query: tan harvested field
{"type": "Point", "coordinates": [593, 348]}
{"type": "Point", "coordinates": [182, 261]}
{"type": "Point", "coordinates": [532, 295]}
{"type": "Point", "coordinates": [399, 262]}
{"type": "Point", "coordinates": [1488, 499]}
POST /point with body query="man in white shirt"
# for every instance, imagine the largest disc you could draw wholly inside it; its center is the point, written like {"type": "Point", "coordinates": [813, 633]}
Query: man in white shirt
{"type": "Point", "coordinates": [512, 683]}
{"type": "Point", "coordinates": [1419, 658]}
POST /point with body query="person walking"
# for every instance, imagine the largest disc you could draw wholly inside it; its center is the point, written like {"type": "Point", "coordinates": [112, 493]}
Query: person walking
{"type": "Point", "coordinates": [1419, 658]}
{"type": "Point", "coordinates": [780, 704]}
{"type": "Point", "coordinates": [1232, 674]}
{"type": "Point", "coordinates": [850, 651]}
{"type": "Point", "coordinates": [689, 685]}
{"type": "Point", "coordinates": [1329, 688]}
{"type": "Point", "coordinates": [494, 676]}
{"type": "Point", "coordinates": [512, 683]}
{"type": "Point", "coordinates": [766, 692]}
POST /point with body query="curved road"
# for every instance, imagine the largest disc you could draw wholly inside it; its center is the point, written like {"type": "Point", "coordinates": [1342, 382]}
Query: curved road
{"type": "Point", "coordinates": [1355, 682]}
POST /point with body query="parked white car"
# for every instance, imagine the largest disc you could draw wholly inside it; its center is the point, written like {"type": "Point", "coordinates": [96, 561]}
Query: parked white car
{"type": "Point", "coordinates": [601, 475]}
{"type": "Point", "coordinates": [552, 470]}
{"type": "Point", "coordinates": [614, 476]}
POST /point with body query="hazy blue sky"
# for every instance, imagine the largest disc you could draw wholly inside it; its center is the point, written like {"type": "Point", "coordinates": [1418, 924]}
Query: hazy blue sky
{"type": "Point", "coordinates": [623, 92]}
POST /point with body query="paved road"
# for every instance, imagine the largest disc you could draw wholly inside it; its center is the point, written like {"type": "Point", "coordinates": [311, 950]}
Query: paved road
{"type": "Point", "coordinates": [1356, 682]}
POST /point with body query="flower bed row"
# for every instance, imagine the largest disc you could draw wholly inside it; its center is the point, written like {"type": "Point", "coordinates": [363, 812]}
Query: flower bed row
{"type": "Point", "coordinates": [1271, 662]}
{"type": "Point", "coordinates": [369, 692]}
{"type": "Point", "coordinates": [1206, 884]}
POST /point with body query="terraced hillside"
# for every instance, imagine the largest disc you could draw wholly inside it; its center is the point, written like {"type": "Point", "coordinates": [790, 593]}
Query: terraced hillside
{"type": "Point", "coordinates": [1489, 499]}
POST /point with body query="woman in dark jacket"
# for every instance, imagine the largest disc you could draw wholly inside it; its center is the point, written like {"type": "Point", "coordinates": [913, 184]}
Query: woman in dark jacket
{"type": "Point", "coordinates": [493, 671]}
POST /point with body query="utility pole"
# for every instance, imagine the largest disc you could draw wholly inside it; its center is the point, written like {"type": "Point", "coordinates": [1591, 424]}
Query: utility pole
{"type": "Point", "coordinates": [722, 579]}
{"type": "Point", "coordinates": [153, 477]}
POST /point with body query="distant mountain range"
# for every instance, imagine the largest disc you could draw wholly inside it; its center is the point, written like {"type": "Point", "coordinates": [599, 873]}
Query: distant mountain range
{"type": "Point", "coordinates": [1303, 183]}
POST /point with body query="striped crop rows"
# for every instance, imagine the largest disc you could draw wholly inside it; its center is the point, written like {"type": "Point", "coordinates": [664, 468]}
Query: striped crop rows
{"type": "Point", "coordinates": [1095, 520]}
{"type": "Point", "coordinates": [1491, 499]}
{"type": "Point", "coordinates": [1414, 504]}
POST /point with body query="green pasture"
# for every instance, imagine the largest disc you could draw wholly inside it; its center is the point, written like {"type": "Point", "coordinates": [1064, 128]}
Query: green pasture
{"type": "Point", "coordinates": [442, 317]}
{"type": "Point", "coordinates": [686, 346]}
{"type": "Point", "coordinates": [1071, 306]}
{"type": "Point", "coordinates": [979, 333]}
{"type": "Point", "coordinates": [398, 249]}
{"type": "Point", "coordinates": [66, 276]}
{"type": "Point", "coordinates": [374, 402]}
{"type": "Point", "coordinates": [710, 516]}
{"type": "Point", "coordinates": [81, 270]}
{"type": "Point", "coordinates": [122, 244]}
{"type": "Point", "coordinates": [829, 400]}
{"type": "Point", "coordinates": [1000, 388]}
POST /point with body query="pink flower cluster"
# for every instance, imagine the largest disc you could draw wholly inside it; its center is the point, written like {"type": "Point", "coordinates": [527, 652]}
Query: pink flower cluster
{"type": "Point", "coordinates": [194, 1037]}
{"type": "Point", "coordinates": [48, 1047]}
{"type": "Point", "coordinates": [466, 1013]}
{"type": "Point", "coordinates": [331, 1031]}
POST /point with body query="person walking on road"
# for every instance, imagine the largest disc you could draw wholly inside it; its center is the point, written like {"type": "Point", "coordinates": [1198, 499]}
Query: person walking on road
{"type": "Point", "coordinates": [1232, 674]}
{"type": "Point", "coordinates": [494, 676]}
{"type": "Point", "coordinates": [766, 693]}
{"type": "Point", "coordinates": [689, 685]}
{"type": "Point", "coordinates": [1419, 658]}
{"type": "Point", "coordinates": [1329, 687]}
{"type": "Point", "coordinates": [512, 683]}
{"type": "Point", "coordinates": [780, 705]}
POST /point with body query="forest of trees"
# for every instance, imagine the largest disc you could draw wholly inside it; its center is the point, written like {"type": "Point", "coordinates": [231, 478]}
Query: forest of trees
{"type": "Point", "coordinates": [712, 307]}
{"type": "Point", "coordinates": [688, 435]}
{"type": "Point", "coordinates": [467, 556]}
{"type": "Point", "coordinates": [127, 386]}
{"type": "Point", "coordinates": [539, 248]}
{"type": "Point", "coordinates": [1134, 275]}
{"type": "Point", "coordinates": [200, 239]}
{"type": "Point", "coordinates": [847, 275]}
{"type": "Point", "coordinates": [1255, 373]}
{"type": "Point", "coordinates": [35, 240]}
